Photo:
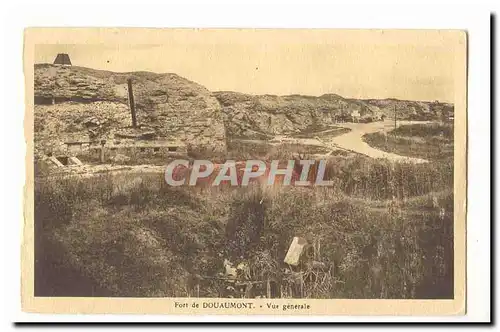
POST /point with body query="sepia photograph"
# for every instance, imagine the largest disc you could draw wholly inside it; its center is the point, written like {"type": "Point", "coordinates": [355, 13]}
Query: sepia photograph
{"type": "Point", "coordinates": [242, 166]}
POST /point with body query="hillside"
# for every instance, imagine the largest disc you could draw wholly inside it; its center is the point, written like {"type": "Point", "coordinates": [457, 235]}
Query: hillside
{"type": "Point", "coordinates": [412, 110]}
{"type": "Point", "coordinates": [250, 116]}
{"type": "Point", "coordinates": [77, 103]}
{"type": "Point", "coordinates": [83, 102]}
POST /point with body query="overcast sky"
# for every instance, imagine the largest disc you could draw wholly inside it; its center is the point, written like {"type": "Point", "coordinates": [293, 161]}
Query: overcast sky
{"type": "Point", "coordinates": [357, 64]}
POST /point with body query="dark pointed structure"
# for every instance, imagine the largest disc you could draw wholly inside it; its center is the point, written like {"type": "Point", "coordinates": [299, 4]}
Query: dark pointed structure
{"type": "Point", "coordinates": [62, 59]}
{"type": "Point", "coordinates": [131, 103]}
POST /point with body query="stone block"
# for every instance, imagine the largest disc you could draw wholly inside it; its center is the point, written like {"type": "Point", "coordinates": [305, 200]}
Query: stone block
{"type": "Point", "coordinates": [55, 162]}
{"type": "Point", "coordinates": [74, 161]}
{"type": "Point", "coordinates": [295, 251]}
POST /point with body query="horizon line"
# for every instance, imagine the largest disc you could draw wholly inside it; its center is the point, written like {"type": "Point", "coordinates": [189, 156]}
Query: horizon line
{"type": "Point", "coordinates": [251, 94]}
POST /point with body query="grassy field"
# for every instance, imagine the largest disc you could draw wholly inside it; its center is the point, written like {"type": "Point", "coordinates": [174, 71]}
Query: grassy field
{"type": "Point", "coordinates": [431, 141]}
{"type": "Point", "coordinates": [383, 231]}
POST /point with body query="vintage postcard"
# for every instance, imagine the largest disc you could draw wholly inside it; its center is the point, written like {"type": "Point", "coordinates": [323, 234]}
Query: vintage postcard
{"type": "Point", "coordinates": [245, 171]}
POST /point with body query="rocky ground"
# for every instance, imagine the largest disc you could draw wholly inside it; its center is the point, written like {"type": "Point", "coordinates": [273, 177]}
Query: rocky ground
{"type": "Point", "coordinates": [76, 103]}
{"type": "Point", "coordinates": [259, 116]}
{"type": "Point", "coordinates": [91, 102]}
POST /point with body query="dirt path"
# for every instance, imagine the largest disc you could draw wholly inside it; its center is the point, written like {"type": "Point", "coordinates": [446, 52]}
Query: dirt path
{"type": "Point", "coordinates": [353, 140]}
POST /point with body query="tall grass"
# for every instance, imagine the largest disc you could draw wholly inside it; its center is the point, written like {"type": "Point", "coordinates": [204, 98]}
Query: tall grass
{"type": "Point", "coordinates": [99, 227]}
{"type": "Point", "coordinates": [133, 235]}
{"type": "Point", "coordinates": [365, 252]}
{"type": "Point", "coordinates": [382, 179]}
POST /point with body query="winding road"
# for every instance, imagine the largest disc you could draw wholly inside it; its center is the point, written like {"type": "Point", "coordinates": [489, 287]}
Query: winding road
{"type": "Point", "coordinates": [353, 140]}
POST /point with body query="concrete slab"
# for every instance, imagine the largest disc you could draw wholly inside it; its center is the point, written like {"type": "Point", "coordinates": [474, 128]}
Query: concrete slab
{"type": "Point", "coordinates": [74, 161]}
{"type": "Point", "coordinates": [55, 162]}
{"type": "Point", "coordinates": [295, 251]}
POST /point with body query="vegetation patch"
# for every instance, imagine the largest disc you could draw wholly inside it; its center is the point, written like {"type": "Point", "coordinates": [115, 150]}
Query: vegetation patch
{"type": "Point", "coordinates": [132, 235]}
{"type": "Point", "coordinates": [428, 141]}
